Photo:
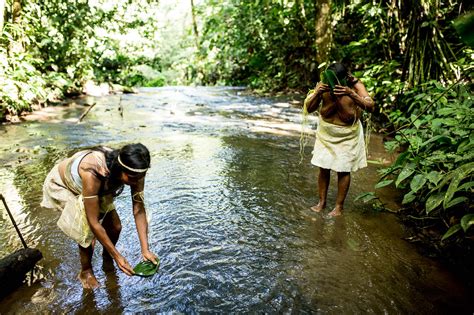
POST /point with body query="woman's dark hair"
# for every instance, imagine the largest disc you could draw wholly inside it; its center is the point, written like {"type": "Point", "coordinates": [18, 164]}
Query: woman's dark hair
{"type": "Point", "coordinates": [134, 155]}
{"type": "Point", "coordinates": [342, 72]}
{"type": "Point", "coordinates": [339, 70]}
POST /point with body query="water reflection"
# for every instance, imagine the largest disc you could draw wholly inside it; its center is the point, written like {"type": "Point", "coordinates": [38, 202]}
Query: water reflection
{"type": "Point", "coordinates": [229, 205]}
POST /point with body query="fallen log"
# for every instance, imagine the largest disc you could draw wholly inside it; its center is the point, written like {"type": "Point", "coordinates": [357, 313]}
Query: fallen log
{"type": "Point", "coordinates": [14, 267]}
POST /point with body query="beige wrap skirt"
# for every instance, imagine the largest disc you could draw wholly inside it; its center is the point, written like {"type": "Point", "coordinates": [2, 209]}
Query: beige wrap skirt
{"type": "Point", "coordinates": [73, 220]}
{"type": "Point", "coordinates": [339, 148]}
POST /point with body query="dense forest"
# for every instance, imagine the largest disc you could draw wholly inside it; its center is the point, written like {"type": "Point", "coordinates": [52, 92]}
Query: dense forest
{"type": "Point", "coordinates": [415, 58]}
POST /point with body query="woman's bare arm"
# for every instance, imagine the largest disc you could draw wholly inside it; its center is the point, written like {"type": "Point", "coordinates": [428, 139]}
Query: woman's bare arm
{"type": "Point", "coordinates": [140, 219]}
{"type": "Point", "coordinates": [90, 191]}
{"type": "Point", "coordinates": [312, 100]}
{"type": "Point", "coordinates": [359, 95]}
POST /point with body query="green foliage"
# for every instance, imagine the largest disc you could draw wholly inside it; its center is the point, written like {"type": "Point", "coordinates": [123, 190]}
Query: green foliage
{"type": "Point", "coordinates": [464, 26]}
{"type": "Point", "coordinates": [56, 46]}
{"type": "Point", "coordinates": [262, 44]}
{"type": "Point", "coordinates": [436, 169]}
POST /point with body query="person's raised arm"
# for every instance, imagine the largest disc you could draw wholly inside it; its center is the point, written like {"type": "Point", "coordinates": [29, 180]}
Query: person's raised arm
{"type": "Point", "coordinates": [90, 193]}
{"type": "Point", "coordinates": [359, 94]}
{"type": "Point", "coordinates": [141, 223]}
{"type": "Point", "coordinates": [312, 100]}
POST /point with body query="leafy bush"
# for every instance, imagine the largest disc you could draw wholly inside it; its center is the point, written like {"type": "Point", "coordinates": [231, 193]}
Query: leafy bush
{"type": "Point", "coordinates": [436, 169]}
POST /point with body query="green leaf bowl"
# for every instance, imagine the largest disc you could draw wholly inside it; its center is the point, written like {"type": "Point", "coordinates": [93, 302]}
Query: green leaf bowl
{"type": "Point", "coordinates": [146, 268]}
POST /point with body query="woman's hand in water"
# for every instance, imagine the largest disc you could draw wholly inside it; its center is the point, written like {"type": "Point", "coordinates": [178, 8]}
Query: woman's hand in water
{"type": "Point", "coordinates": [321, 88]}
{"type": "Point", "coordinates": [147, 255]}
{"type": "Point", "coordinates": [340, 90]}
{"type": "Point", "coordinates": [123, 264]}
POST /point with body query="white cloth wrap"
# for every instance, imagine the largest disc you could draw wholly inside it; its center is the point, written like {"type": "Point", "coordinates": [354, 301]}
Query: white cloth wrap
{"type": "Point", "coordinates": [339, 148]}
{"type": "Point", "coordinates": [73, 220]}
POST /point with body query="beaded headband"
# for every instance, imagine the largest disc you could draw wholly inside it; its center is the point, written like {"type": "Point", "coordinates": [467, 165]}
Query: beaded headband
{"type": "Point", "coordinates": [136, 170]}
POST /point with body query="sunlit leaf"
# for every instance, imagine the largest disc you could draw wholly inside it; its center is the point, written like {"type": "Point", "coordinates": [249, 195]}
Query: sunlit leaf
{"type": "Point", "coordinates": [408, 198]}
{"type": "Point", "coordinates": [417, 182]}
{"type": "Point", "coordinates": [383, 183]}
{"type": "Point", "coordinates": [459, 174]}
{"type": "Point", "coordinates": [405, 173]}
{"type": "Point", "coordinates": [467, 221]}
{"type": "Point", "coordinates": [451, 231]}
{"type": "Point", "coordinates": [466, 186]}
{"type": "Point", "coordinates": [366, 197]}
{"type": "Point", "coordinates": [434, 201]}
{"type": "Point", "coordinates": [434, 177]}
{"type": "Point", "coordinates": [456, 201]}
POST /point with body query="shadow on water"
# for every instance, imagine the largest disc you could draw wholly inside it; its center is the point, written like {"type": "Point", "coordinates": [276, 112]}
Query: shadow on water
{"type": "Point", "coordinates": [229, 205]}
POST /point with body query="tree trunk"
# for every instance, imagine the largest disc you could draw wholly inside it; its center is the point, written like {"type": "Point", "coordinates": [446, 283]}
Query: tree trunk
{"type": "Point", "coordinates": [195, 28]}
{"type": "Point", "coordinates": [323, 30]}
{"type": "Point", "coordinates": [14, 267]}
{"type": "Point", "coordinates": [16, 45]}
{"type": "Point", "coordinates": [16, 9]}
{"type": "Point", "coordinates": [2, 15]}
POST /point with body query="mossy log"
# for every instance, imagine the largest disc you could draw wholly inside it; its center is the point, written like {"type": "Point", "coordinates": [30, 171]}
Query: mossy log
{"type": "Point", "coordinates": [14, 267]}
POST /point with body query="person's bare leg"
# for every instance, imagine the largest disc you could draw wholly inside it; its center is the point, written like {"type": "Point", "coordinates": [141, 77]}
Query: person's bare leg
{"type": "Point", "coordinates": [113, 227]}
{"type": "Point", "coordinates": [86, 276]}
{"type": "Point", "coordinates": [323, 185]}
{"type": "Point", "coordinates": [343, 183]}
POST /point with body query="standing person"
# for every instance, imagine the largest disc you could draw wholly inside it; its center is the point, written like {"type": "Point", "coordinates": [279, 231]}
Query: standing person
{"type": "Point", "coordinates": [83, 187]}
{"type": "Point", "coordinates": [339, 144]}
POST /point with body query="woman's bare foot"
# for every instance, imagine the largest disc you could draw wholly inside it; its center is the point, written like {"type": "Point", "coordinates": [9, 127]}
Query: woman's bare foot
{"type": "Point", "coordinates": [319, 207]}
{"type": "Point", "coordinates": [88, 280]}
{"type": "Point", "coordinates": [336, 212]}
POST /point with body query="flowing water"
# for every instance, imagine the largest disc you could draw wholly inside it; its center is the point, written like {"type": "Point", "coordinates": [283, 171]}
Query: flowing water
{"type": "Point", "coordinates": [229, 203]}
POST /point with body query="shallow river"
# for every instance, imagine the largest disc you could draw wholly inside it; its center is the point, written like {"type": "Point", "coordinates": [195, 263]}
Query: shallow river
{"type": "Point", "coordinates": [229, 203]}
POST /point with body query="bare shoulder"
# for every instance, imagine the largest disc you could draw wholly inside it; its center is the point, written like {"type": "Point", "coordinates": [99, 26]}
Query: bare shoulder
{"type": "Point", "coordinates": [360, 89]}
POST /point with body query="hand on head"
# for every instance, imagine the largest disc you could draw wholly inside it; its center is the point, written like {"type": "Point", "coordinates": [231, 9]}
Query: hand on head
{"type": "Point", "coordinates": [321, 88]}
{"type": "Point", "coordinates": [340, 90]}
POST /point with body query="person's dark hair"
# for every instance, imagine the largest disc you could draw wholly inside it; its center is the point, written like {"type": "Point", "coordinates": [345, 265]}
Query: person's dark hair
{"type": "Point", "coordinates": [339, 70]}
{"type": "Point", "coordinates": [134, 156]}
{"type": "Point", "coordinates": [342, 72]}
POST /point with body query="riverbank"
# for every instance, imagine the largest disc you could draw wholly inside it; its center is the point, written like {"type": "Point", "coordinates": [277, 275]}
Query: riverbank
{"type": "Point", "coordinates": [44, 111]}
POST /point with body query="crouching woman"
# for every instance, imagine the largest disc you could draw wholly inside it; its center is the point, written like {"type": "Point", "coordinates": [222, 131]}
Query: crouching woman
{"type": "Point", "coordinates": [83, 187]}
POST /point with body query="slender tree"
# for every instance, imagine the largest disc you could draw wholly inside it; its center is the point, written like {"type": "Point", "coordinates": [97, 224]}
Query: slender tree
{"type": "Point", "coordinates": [324, 32]}
{"type": "Point", "coordinates": [16, 9]}
{"type": "Point", "coordinates": [195, 28]}
{"type": "Point", "coordinates": [2, 13]}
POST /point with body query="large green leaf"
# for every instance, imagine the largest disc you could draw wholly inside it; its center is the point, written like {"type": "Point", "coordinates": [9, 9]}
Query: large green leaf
{"type": "Point", "coordinates": [467, 221]}
{"type": "Point", "coordinates": [401, 158]}
{"type": "Point", "coordinates": [408, 198]}
{"type": "Point", "coordinates": [434, 177]}
{"type": "Point", "coordinates": [383, 183]}
{"type": "Point", "coordinates": [459, 174]}
{"type": "Point", "coordinates": [456, 201]}
{"type": "Point", "coordinates": [146, 268]}
{"type": "Point", "coordinates": [417, 182]}
{"type": "Point", "coordinates": [466, 186]}
{"type": "Point", "coordinates": [366, 197]}
{"type": "Point", "coordinates": [434, 201]}
{"type": "Point", "coordinates": [405, 173]}
{"type": "Point", "coordinates": [439, 139]}
{"type": "Point", "coordinates": [452, 230]}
